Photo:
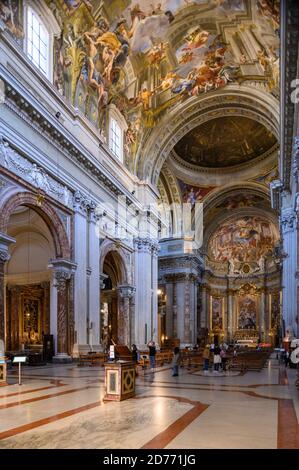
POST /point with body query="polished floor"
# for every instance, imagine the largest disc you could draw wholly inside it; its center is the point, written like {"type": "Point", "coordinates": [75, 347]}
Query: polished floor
{"type": "Point", "coordinates": [61, 407]}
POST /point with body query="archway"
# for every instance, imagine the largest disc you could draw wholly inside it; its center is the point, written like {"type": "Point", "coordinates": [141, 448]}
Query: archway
{"type": "Point", "coordinates": [28, 280]}
{"type": "Point", "coordinates": [234, 100]}
{"type": "Point", "coordinates": [37, 277]}
{"type": "Point", "coordinates": [115, 315]}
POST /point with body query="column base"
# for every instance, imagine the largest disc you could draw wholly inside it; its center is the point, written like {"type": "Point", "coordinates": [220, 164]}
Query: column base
{"type": "Point", "coordinates": [62, 358]}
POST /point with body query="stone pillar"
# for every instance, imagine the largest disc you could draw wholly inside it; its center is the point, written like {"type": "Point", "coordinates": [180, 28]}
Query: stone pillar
{"type": "Point", "coordinates": [186, 308]}
{"type": "Point", "coordinates": [204, 311]}
{"type": "Point", "coordinates": [5, 241]}
{"type": "Point", "coordinates": [126, 293]}
{"type": "Point", "coordinates": [63, 270]}
{"type": "Point", "coordinates": [230, 294]}
{"type": "Point", "coordinates": [169, 289]}
{"type": "Point", "coordinates": [94, 279]}
{"type": "Point", "coordinates": [155, 250]}
{"type": "Point", "coordinates": [146, 297]}
{"type": "Point", "coordinates": [81, 248]}
{"type": "Point", "coordinates": [262, 325]}
{"type": "Point", "coordinates": [289, 298]}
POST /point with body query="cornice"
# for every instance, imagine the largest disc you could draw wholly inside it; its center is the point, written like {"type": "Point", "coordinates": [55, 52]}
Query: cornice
{"type": "Point", "coordinates": [179, 162]}
{"type": "Point", "coordinates": [289, 35]}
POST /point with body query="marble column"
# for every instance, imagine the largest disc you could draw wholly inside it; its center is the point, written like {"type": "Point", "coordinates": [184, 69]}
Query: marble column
{"type": "Point", "coordinates": [63, 271]}
{"type": "Point", "coordinates": [81, 253]}
{"type": "Point", "coordinates": [154, 314]}
{"type": "Point", "coordinates": [5, 241]}
{"type": "Point", "coordinates": [126, 293]}
{"type": "Point", "coordinates": [230, 294]}
{"type": "Point", "coordinates": [146, 292]}
{"type": "Point", "coordinates": [289, 298]}
{"type": "Point", "coordinates": [204, 311]}
{"type": "Point", "coordinates": [94, 279]}
{"type": "Point", "coordinates": [262, 325]}
{"type": "Point", "coordinates": [169, 289]}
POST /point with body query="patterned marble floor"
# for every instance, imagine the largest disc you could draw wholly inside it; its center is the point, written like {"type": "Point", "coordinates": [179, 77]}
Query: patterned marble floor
{"type": "Point", "coordinates": [60, 407]}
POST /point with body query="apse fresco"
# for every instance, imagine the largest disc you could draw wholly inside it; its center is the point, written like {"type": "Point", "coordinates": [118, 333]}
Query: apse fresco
{"type": "Point", "coordinates": [247, 239]}
{"type": "Point", "coordinates": [247, 308]}
{"type": "Point", "coordinates": [147, 56]}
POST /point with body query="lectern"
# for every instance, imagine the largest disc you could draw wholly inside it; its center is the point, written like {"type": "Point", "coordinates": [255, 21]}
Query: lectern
{"type": "Point", "coordinates": [2, 371]}
{"type": "Point", "coordinates": [119, 380]}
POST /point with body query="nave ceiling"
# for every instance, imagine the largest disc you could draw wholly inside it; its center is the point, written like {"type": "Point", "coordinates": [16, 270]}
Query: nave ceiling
{"type": "Point", "coordinates": [148, 58]}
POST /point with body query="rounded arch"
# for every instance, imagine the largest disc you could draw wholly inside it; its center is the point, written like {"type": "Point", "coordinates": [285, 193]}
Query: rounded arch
{"type": "Point", "coordinates": [234, 99]}
{"type": "Point", "coordinates": [47, 213]}
{"type": "Point", "coordinates": [220, 194]}
{"type": "Point", "coordinates": [110, 248]}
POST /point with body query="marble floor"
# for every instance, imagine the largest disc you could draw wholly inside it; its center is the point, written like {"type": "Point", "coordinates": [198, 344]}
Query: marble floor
{"type": "Point", "coordinates": [61, 407]}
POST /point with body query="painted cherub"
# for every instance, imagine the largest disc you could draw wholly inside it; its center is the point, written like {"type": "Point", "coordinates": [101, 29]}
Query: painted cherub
{"type": "Point", "coordinates": [144, 97]}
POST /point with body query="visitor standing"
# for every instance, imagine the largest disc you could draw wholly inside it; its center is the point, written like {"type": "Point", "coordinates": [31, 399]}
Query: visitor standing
{"type": "Point", "coordinates": [176, 362]}
{"type": "Point", "coordinates": [217, 358]}
{"type": "Point", "coordinates": [152, 354]}
{"type": "Point", "coordinates": [206, 358]}
{"type": "Point", "coordinates": [223, 359]}
{"type": "Point", "coordinates": [135, 357]}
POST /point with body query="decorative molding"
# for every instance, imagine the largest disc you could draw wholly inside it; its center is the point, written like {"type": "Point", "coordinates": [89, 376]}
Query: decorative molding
{"type": "Point", "coordinates": [5, 242]}
{"type": "Point", "coordinates": [33, 174]}
{"type": "Point", "coordinates": [146, 245]}
{"type": "Point", "coordinates": [126, 291]}
{"type": "Point", "coordinates": [83, 204]}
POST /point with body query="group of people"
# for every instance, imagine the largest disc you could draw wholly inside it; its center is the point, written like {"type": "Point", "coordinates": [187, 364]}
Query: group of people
{"type": "Point", "coordinates": [212, 352]}
{"type": "Point", "coordinates": [152, 358]}
{"type": "Point", "coordinates": [218, 355]}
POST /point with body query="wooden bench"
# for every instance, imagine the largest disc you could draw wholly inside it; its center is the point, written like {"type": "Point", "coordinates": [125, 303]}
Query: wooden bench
{"type": "Point", "coordinates": [93, 359]}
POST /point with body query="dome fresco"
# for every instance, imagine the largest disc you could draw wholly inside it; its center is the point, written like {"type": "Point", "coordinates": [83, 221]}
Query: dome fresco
{"type": "Point", "coordinates": [224, 142]}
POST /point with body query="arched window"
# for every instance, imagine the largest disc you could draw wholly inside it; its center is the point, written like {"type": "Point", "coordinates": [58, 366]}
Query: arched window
{"type": "Point", "coordinates": [115, 138]}
{"type": "Point", "coordinates": [116, 130]}
{"type": "Point", "coordinates": [40, 29]}
{"type": "Point", "coordinates": [37, 42]}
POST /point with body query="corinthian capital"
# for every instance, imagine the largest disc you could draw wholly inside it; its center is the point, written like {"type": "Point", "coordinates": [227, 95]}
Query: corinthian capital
{"type": "Point", "coordinates": [4, 256]}
{"type": "Point", "coordinates": [5, 241]}
{"type": "Point", "coordinates": [288, 221]}
{"type": "Point", "coordinates": [126, 291]}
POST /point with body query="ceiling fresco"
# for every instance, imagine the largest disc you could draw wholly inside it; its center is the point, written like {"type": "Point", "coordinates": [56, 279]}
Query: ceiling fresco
{"type": "Point", "coordinates": [147, 56]}
{"type": "Point", "coordinates": [225, 142]}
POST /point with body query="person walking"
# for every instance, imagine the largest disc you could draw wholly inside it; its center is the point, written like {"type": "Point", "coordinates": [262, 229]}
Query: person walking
{"type": "Point", "coordinates": [152, 354]}
{"type": "Point", "coordinates": [206, 358]}
{"type": "Point", "coordinates": [217, 359]}
{"type": "Point", "coordinates": [135, 357]}
{"type": "Point", "coordinates": [176, 362]}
